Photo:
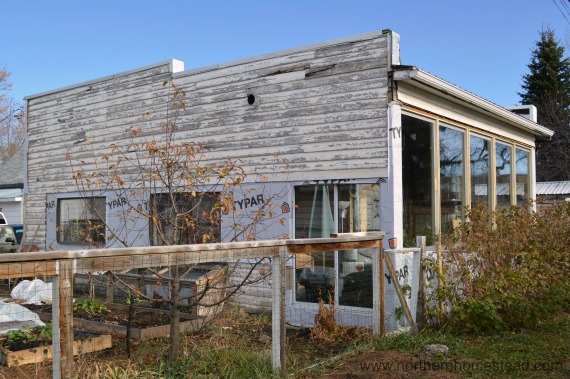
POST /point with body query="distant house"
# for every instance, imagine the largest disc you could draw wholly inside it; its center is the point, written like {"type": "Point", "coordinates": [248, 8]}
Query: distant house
{"type": "Point", "coordinates": [370, 145]}
{"type": "Point", "coordinates": [11, 187]}
{"type": "Point", "coordinates": [551, 193]}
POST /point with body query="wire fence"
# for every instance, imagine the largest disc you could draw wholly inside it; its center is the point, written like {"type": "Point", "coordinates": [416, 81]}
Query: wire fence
{"type": "Point", "coordinates": [58, 301]}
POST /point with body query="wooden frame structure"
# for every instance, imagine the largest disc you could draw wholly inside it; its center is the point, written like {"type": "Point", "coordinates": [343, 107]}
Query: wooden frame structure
{"type": "Point", "coordinates": [62, 265]}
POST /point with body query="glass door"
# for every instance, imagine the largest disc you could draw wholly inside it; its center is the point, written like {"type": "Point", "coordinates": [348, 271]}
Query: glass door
{"type": "Point", "coordinates": [344, 277]}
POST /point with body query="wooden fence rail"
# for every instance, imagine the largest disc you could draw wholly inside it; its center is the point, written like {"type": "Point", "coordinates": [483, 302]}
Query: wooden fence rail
{"type": "Point", "coordinates": [62, 265]}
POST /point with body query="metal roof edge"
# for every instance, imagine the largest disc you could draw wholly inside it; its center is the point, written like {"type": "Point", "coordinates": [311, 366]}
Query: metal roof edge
{"type": "Point", "coordinates": [560, 187]}
{"type": "Point", "coordinates": [174, 65]}
{"type": "Point", "coordinates": [279, 53]}
{"type": "Point", "coordinates": [413, 73]}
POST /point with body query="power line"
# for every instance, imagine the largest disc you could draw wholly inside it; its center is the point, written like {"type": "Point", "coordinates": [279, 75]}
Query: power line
{"type": "Point", "coordinates": [566, 5]}
{"type": "Point", "coordinates": [560, 9]}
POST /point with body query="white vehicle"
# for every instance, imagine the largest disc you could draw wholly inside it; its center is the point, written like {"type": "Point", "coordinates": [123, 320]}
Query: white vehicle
{"type": "Point", "coordinates": [3, 220]}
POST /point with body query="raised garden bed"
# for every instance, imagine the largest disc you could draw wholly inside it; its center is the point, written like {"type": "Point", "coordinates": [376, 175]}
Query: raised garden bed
{"type": "Point", "coordinates": [20, 352]}
{"type": "Point", "coordinates": [147, 322]}
{"type": "Point", "coordinates": [194, 280]}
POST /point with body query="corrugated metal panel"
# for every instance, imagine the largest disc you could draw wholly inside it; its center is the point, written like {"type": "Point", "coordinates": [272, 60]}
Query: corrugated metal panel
{"type": "Point", "coordinates": [502, 189]}
{"type": "Point", "coordinates": [553, 188]}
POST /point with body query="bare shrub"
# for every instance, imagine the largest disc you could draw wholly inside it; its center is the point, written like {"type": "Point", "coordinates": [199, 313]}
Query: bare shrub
{"type": "Point", "coordinates": [507, 269]}
{"type": "Point", "coordinates": [327, 329]}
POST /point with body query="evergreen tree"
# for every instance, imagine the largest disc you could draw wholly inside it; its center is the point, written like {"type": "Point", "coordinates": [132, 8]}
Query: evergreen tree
{"type": "Point", "coordinates": [547, 87]}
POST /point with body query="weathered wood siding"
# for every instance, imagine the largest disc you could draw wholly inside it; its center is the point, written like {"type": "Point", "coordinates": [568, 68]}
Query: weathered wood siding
{"type": "Point", "coordinates": [80, 123]}
{"type": "Point", "coordinates": [323, 111]}
{"type": "Point", "coordinates": [320, 110]}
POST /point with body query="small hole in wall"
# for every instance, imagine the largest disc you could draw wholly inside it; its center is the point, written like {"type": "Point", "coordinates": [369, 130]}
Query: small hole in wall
{"type": "Point", "coordinates": [250, 99]}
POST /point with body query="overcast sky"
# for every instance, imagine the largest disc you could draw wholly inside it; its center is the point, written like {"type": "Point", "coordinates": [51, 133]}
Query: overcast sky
{"type": "Point", "coordinates": [482, 46]}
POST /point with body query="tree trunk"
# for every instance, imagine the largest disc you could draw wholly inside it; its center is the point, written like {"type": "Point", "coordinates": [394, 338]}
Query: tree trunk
{"type": "Point", "coordinates": [174, 317]}
{"type": "Point", "coordinates": [130, 323]}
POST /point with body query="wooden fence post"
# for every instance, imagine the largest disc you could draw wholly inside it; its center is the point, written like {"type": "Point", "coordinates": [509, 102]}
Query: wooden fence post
{"type": "Point", "coordinates": [440, 279]}
{"type": "Point", "coordinates": [55, 336]}
{"type": "Point", "coordinates": [278, 340]}
{"type": "Point", "coordinates": [379, 303]}
{"type": "Point", "coordinates": [110, 294]}
{"type": "Point", "coordinates": [66, 316]}
{"type": "Point", "coordinates": [420, 313]}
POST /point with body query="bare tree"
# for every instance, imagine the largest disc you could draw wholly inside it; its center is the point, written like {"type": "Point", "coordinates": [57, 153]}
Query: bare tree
{"type": "Point", "coordinates": [167, 188]}
{"type": "Point", "coordinates": [12, 120]}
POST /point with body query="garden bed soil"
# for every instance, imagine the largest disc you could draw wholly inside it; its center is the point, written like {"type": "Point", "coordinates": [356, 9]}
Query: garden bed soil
{"type": "Point", "coordinates": [147, 323]}
{"type": "Point", "coordinates": [21, 352]}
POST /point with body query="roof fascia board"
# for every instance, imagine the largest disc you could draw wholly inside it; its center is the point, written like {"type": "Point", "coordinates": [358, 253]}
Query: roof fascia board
{"type": "Point", "coordinates": [416, 75]}
{"type": "Point", "coordinates": [174, 66]}
{"type": "Point", "coordinates": [280, 53]}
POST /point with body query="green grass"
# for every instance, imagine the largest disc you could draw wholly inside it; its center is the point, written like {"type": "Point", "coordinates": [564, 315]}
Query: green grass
{"type": "Point", "coordinates": [543, 352]}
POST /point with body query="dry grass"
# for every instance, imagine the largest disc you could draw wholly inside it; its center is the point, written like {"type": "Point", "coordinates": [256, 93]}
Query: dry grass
{"type": "Point", "coordinates": [327, 329]}
{"type": "Point", "coordinates": [229, 348]}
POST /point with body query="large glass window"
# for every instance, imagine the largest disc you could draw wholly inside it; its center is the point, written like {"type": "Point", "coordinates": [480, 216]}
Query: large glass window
{"type": "Point", "coordinates": [503, 174]}
{"type": "Point", "coordinates": [184, 218]}
{"type": "Point", "coordinates": [489, 174]}
{"type": "Point", "coordinates": [522, 178]}
{"type": "Point", "coordinates": [451, 177]}
{"type": "Point", "coordinates": [81, 221]}
{"type": "Point", "coordinates": [479, 163]}
{"type": "Point", "coordinates": [417, 178]}
{"type": "Point", "coordinates": [325, 209]}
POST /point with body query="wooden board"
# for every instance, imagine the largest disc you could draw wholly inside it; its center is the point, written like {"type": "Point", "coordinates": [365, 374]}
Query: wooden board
{"type": "Point", "coordinates": [26, 269]}
{"type": "Point", "coordinates": [136, 333]}
{"type": "Point", "coordinates": [43, 353]}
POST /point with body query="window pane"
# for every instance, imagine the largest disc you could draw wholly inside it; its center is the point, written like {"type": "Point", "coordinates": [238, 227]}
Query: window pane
{"type": "Point", "coordinates": [451, 177]}
{"type": "Point", "coordinates": [503, 173]}
{"type": "Point", "coordinates": [315, 277]}
{"type": "Point", "coordinates": [479, 158]}
{"type": "Point", "coordinates": [417, 179]}
{"type": "Point", "coordinates": [358, 208]}
{"type": "Point", "coordinates": [81, 221]}
{"type": "Point", "coordinates": [355, 278]}
{"type": "Point", "coordinates": [314, 218]}
{"type": "Point", "coordinates": [6, 232]}
{"type": "Point", "coordinates": [314, 215]}
{"type": "Point", "coordinates": [359, 211]}
{"type": "Point", "coordinates": [522, 176]}
{"type": "Point", "coordinates": [184, 218]}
